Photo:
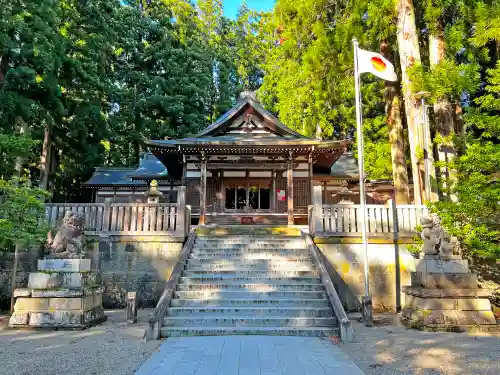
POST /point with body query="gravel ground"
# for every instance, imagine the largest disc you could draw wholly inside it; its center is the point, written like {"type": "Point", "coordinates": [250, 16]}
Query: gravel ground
{"type": "Point", "coordinates": [389, 349]}
{"type": "Point", "coordinates": [116, 348]}
{"type": "Point", "coordinates": [112, 348]}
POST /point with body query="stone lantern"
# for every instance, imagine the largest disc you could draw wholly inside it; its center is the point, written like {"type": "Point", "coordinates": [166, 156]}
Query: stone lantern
{"type": "Point", "coordinates": [153, 195]}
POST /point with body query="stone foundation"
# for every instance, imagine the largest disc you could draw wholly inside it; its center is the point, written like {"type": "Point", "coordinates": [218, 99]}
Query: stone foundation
{"type": "Point", "coordinates": [344, 256]}
{"type": "Point", "coordinates": [64, 294]}
{"type": "Point", "coordinates": [444, 296]}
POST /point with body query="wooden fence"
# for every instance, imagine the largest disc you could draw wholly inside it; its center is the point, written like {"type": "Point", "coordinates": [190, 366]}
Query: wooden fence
{"type": "Point", "coordinates": [346, 218]}
{"type": "Point", "coordinates": [121, 217]}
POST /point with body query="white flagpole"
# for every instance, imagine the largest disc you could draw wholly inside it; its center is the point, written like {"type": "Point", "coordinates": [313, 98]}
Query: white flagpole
{"type": "Point", "coordinates": [367, 303]}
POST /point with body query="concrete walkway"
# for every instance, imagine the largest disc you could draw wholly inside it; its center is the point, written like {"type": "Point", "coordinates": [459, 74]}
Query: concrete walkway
{"type": "Point", "coordinates": [249, 355]}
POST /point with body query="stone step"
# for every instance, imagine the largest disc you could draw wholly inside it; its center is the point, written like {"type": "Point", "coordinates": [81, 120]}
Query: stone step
{"type": "Point", "coordinates": [259, 255]}
{"type": "Point", "coordinates": [248, 302]}
{"type": "Point", "coordinates": [267, 331]}
{"type": "Point", "coordinates": [278, 237]}
{"type": "Point", "coordinates": [220, 261]}
{"type": "Point", "coordinates": [257, 264]}
{"type": "Point", "coordinates": [251, 287]}
{"type": "Point", "coordinates": [254, 311]}
{"type": "Point", "coordinates": [249, 272]}
{"type": "Point", "coordinates": [248, 321]}
{"type": "Point", "coordinates": [238, 279]}
{"type": "Point", "coordinates": [250, 245]}
{"type": "Point", "coordinates": [237, 267]}
{"type": "Point", "coordinates": [243, 250]}
{"type": "Point", "coordinates": [238, 294]}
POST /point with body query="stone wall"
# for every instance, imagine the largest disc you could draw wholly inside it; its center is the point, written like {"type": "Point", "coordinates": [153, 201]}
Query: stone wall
{"type": "Point", "coordinates": [344, 259]}
{"type": "Point", "coordinates": [134, 263]}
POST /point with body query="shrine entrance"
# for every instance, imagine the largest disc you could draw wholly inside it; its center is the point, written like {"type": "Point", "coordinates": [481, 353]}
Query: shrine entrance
{"type": "Point", "coordinates": [248, 197]}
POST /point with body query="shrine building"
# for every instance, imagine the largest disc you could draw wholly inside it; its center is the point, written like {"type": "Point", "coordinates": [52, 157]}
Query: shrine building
{"type": "Point", "coordinates": [247, 167]}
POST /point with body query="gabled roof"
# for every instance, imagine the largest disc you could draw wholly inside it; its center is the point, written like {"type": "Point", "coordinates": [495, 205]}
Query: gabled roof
{"type": "Point", "coordinates": [109, 176]}
{"type": "Point", "coordinates": [346, 167]}
{"type": "Point", "coordinates": [150, 168]}
{"type": "Point", "coordinates": [252, 106]}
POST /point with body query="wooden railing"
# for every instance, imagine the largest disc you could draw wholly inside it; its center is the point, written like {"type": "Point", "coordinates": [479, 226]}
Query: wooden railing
{"type": "Point", "coordinates": [346, 218]}
{"type": "Point", "coordinates": [123, 217]}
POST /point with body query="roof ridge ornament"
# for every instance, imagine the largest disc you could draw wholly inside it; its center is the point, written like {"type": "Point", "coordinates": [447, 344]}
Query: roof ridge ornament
{"type": "Point", "coordinates": [248, 94]}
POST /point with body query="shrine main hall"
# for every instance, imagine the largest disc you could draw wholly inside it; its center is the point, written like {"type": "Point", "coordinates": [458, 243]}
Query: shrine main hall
{"type": "Point", "coordinates": [245, 168]}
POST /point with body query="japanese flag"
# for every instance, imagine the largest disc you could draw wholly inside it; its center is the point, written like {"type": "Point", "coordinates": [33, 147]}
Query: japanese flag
{"type": "Point", "coordinates": [371, 62]}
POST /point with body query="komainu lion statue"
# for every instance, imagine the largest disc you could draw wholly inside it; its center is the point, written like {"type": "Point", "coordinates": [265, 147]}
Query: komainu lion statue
{"type": "Point", "coordinates": [68, 241]}
{"type": "Point", "coordinates": [436, 239]}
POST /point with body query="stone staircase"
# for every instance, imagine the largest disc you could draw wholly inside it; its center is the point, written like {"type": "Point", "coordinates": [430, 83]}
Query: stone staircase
{"type": "Point", "coordinates": [249, 285]}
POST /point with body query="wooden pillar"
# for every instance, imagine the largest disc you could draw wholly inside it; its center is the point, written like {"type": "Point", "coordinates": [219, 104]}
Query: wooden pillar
{"type": "Point", "coordinates": [273, 191]}
{"type": "Point", "coordinates": [203, 188]}
{"type": "Point", "coordinates": [222, 192]}
{"type": "Point", "coordinates": [311, 182]}
{"type": "Point", "coordinates": [289, 180]}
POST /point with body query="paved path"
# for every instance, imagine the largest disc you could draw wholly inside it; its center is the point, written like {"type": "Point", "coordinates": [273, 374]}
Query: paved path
{"type": "Point", "coordinates": [249, 355]}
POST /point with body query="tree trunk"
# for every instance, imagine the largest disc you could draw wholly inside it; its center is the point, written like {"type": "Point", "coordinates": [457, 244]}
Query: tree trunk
{"type": "Point", "coordinates": [443, 114]}
{"type": "Point", "coordinates": [23, 129]}
{"type": "Point", "coordinates": [396, 137]}
{"type": "Point", "coordinates": [409, 54]}
{"type": "Point", "coordinates": [45, 160]}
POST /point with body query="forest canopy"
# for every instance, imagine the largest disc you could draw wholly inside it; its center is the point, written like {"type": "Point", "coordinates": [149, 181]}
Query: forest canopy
{"type": "Point", "coordinates": [84, 82]}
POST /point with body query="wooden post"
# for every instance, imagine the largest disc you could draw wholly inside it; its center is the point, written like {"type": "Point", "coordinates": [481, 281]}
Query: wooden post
{"type": "Point", "coordinates": [132, 307]}
{"type": "Point", "coordinates": [289, 180]}
{"type": "Point", "coordinates": [222, 193]}
{"type": "Point", "coordinates": [181, 210]}
{"type": "Point", "coordinates": [203, 188]}
{"type": "Point", "coordinates": [311, 181]}
{"type": "Point", "coordinates": [273, 193]}
{"type": "Point", "coordinates": [318, 208]}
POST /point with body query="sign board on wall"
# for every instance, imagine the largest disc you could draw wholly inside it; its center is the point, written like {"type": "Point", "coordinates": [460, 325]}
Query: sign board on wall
{"type": "Point", "coordinates": [281, 194]}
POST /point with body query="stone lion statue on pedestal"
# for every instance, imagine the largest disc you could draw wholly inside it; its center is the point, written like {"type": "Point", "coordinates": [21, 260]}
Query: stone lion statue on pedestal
{"type": "Point", "coordinates": [436, 240]}
{"type": "Point", "coordinates": [68, 242]}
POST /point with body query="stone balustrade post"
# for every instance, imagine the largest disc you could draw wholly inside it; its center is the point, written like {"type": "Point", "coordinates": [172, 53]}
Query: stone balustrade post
{"type": "Point", "coordinates": [318, 208]}
{"type": "Point", "coordinates": [106, 215]}
{"type": "Point", "coordinates": [181, 211]}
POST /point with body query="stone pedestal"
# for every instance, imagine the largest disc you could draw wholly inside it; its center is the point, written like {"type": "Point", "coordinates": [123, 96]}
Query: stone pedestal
{"type": "Point", "coordinates": [63, 294]}
{"type": "Point", "coordinates": [443, 296]}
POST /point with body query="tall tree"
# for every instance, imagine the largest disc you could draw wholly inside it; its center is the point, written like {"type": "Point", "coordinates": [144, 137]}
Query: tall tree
{"type": "Point", "coordinates": [409, 55]}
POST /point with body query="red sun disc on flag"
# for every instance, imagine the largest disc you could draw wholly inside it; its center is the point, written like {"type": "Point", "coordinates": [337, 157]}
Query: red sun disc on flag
{"type": "Point", "coordinates": [378, 64]}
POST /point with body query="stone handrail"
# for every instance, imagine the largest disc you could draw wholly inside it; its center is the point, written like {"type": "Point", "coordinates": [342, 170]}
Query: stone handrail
{"type": "Point", "coordinates": [346, 218]}
{"type": "Point", "coordinates": [345, 326]}
{"type": "Point", "coordinates": [155, 320]}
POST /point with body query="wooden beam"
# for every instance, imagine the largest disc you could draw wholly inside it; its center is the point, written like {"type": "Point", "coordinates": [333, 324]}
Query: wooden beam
{"type": "Point", "coordinates": [289, 180]}
{"type": "Point", "coordinates": [203, 188]}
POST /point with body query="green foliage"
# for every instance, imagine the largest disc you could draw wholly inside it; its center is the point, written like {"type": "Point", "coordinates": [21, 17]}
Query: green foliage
{"type": "Point", "coordinates": [475, 217]}
{"type": "Point", "coordinates": [446, 79]}
{"type": "Point", "coordinates": [22, 211]}
{"type": "Point", "coordinates": [22, 214]}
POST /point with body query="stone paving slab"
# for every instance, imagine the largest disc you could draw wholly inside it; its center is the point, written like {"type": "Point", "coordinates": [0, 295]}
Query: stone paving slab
{"type": "Point", "coordinates": [248, 355]}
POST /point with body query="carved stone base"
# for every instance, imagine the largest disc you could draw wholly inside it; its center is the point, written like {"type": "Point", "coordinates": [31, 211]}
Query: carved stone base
{"type": "Point", "coordinates": [64, 295]}
{"type": "Point", "coordinates": [448, 320]}
{"type": "Point", "coordinates": [65, 319]}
